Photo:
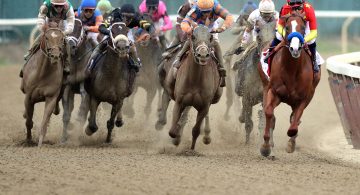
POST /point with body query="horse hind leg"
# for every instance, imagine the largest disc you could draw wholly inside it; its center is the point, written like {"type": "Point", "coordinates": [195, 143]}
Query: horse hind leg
{"type": "Point", "coordinates": [84, 106]}
{"type": "Point", "coordinates": [149, 99]}
{"type": "Point", "coordinates": [196, 129]}
{"type": "Point", "coordinates": [293, 130]}
{"type": "Point", "coordinates": [111, 122]}
{"type": "Point", "coordinates": [67, 113]}
{"type": "Point", "coordinates": [165, 100]}
{"type": "Point", "coordinates": [50, 104]}
{"type": "Point", "coordinates": [247, 113]}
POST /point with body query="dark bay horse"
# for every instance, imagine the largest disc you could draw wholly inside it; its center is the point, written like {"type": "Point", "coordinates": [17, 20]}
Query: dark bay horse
{"type": "Point", "coordinates": [43, 79]}
{"type": "Point", "coordinates": [291, 81]}
{"type": "Point", "coordinates": [149, 52]}
{"type": "Point", "coordinates": [197, 85]}
{"type": "Point", "coordinates": [251, 90]}
{"type": "Point", "coordinates": [108, 82]}
{"type": "Point", "coordinates": [79, 49]}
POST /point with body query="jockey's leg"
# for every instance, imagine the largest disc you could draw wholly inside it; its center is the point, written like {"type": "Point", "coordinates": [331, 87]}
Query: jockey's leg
{"type": "Point", "coordinates": [221, 69]}
{"type": "Point", "coordinates": [312, 48]}
{"type": "Point", "coordinates": [274, 43]}
{"type": "Point", "coordinates": [134, 60]}
{"type": "Point", "coordinates": [176, 64]}
{"type": "Point", "coordinates": [30, 52]}
{"type": "Point", "coordinates": [94, 56]}
{"type": "Point", "coordinates": [162, 40]}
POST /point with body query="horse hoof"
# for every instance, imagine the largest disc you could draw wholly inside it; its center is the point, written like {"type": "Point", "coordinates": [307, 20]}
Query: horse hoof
{"type": "Point", "coordinates": [176, 141]}
{"type": "Point", "coordinates": [265, 150]}
{"type": "Point", "coordinates": [108, 140]}
{"type": "Point", "coordinates": [247, 139]}
{"type": "Point", "coordinates": [119, 123]}
{"type": "Point", "coordinates": [207, 140]}
{"type": "Point", "coordinates": [241, 119]}
{"type": "Point", "coordinates": [290, 146]}
{"type": "Point", "coordinates": [292, 132]}
{"type": "Point", "coordinates": [159, 125]}
{"type": "Point", "coordinates": [90, 130]}
{"type": "Point", "coordinates": [172, 134]}
{"type": "Point", "coordinates": [63, 139]}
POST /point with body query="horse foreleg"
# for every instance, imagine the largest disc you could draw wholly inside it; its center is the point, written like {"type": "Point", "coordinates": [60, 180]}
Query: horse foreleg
{"type": "Point", "coordinates": [247, 114]}
{"type": "Point", "coordinates": [181, 124]}
{"type": "Point", "coordinates": [29, 112]}
{"type": "Point", "coordinates": [84, 105]}
{"type": "Point", "coordinates": [50, 104]}
{"type": "Point", "coordinates": [128, 109]}
{"type": "Point", "coordinates": [229, 96]}
{"type": "Point", "coordinates": [67, 112]}
{"type": "Point", "coordinates": [293, 130]}
{"type": "Point", "coordinates": [272, 101]}
{"type": "Point", "coordinates": [207, 130]}
{"type": "Point", "coordinates": [150, 95]}
{"type": "Point", "coordinates": [165, 100]}
{"type": "Point", "coordinates": [175, 127]}
{"type": "Point", "coordinates": [111, 122]}
{"type": "Point", "coordinates": [92, 127]}
{"type": "Point", "coordinates": [196, 129]}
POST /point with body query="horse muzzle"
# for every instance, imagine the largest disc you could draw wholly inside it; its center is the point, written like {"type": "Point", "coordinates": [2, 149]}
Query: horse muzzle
{"type": "Point", "coordinates": [295, 47]}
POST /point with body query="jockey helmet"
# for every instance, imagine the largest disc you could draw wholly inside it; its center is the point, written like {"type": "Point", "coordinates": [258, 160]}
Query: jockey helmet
{"type": "Point", "coordinates": [248, 8]}
{"type": "Point", "coordinates": [88, 4]}
{"type": "Point", "coordinates": [127, 8]}
{"type": "Point", "coordinates": [104, 6]}
{"type": "Point", "coordinates": [152, 3]}
{"type": "Point", "coordinates": [266, 6]}
{"type": "Point", "coordinates": [205, 5]}
{"type": "Point", "coordinates": [192, 2]}
{"type": "Point", "coordinates": [295, 2]}
{"type": "Point", "coordinates": [58, 2]}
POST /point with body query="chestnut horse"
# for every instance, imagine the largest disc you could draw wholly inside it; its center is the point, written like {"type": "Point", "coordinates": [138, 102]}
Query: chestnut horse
{"type": "Point", "coordinates": [197, 85]}
{"type": "Point", "coordinates": [43, 79]}
{"type": "Point", "coordinates": [291, 81]}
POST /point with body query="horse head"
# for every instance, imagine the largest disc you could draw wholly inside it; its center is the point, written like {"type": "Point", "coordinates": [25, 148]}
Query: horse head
{"type": "Point", "coordinates": [265, 33]}
{"type": "Point", "coordinates": [295, 26]}
{"type": "Point", "coordinates": [76, 37]}
{"type": "Point", "coordinates": [54, 43]}
{"type": "Point", "coordinates": [200, 41]}
{"type": "Point", "coordinates": [120, 41]}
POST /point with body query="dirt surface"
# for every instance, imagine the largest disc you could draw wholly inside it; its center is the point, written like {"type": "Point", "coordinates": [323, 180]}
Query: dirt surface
{"type": "Point", "coordinates": [142, 160]}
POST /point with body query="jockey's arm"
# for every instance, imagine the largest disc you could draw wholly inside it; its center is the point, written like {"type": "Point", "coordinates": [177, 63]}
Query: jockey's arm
{"type": "Point", "coordinates": [99, 19]}
{"type": "Point", "coordinates": [167, 23]}
{"type": "Point", "coordinates": [225, 15]}
{"type": "Point", "coordinates": [188, 22]}
{"type": "Point", "coordinates": [249, 27]}
{"type": "Point", "coordinates": [42, 17]}
{"type": "Point", "coordinates": [70, 20]}
{"type": "Point", "coordinates": [311, 18]}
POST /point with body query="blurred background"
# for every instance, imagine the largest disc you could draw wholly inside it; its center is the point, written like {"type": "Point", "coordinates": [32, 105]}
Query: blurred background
{"type": "Point", "coordinates": [14, 39]}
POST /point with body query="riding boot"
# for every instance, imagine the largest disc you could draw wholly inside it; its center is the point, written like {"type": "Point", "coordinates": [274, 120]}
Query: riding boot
{"type": "Point", "coordinates": [94, 56]}
{"type": "Point", "coordinates": [221, 69]}
{"type": "Point", "coordinates": [163, 43]}
{"type": "Point", "coordinates": [30, 52]}
{"type": "Point", "coordinates": [274, 43]}
{"type": "Point", "coordinates": [312, 48]}
{"type": "Point", "coordinates": [167, 54]}
{"type": "Point", "coordinates": [134, 60]}
{"type": "Point", "coordinates": [176, 64]}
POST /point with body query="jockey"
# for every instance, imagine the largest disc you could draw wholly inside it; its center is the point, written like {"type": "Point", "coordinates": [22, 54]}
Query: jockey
{"type": "Point", "coordinates": [132, 19]}
{"type": "Point", "coordinates": [206, 12]}
{"type": "Point", "coordinates": [157, 11]}
{"type": "Point", "coordinates": [311, 27]}
{"type": "Point", "coordinates": [180, 35]}
{"type": "Point", "coordinates": [52, 13]}
{"type": "Point", "coordinates": [265, 14]}
{"type": "Point", "coordinates": [105, 8]}
{"type": "Point", "coordinates": [90, 17]}
{"type": "Point", "coordinates": [241, 21]}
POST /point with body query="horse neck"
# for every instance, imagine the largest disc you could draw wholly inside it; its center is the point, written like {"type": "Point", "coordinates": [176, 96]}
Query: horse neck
{"type": "Point", "coordinates": [116, 65]}
{"type": "Point", "coordinates": [193, 70]}
{"type": "Point", "coordinates": [293, 64]}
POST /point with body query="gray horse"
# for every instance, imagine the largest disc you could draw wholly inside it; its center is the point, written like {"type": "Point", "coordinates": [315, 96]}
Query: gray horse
{"type": "Point", "coordinates": [251, 89]}
{"type": "Point", "coordinates": [109, 80]}
{"type": "Point", "coordinates": [79, 48]}
{"type": "Point", "coordinates": [149, 52]}
{"type": "Point", "coordinates": [43, 79]}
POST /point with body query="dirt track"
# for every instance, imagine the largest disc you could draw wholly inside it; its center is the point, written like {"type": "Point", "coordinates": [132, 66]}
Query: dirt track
{"type": "Point", "coordinates": [142, 160]}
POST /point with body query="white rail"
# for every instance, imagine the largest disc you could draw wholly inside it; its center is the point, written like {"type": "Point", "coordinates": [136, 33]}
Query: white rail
{"type": "Point", "coordinates": [343, 64]}
{"type": "Point", "coordinates": [349, 15]}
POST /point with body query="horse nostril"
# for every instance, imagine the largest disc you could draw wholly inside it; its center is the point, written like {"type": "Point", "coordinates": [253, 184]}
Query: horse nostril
{"type": "Point", "coordinates": [198, 55]}
{"type": "Point", "coordinates": [207, 55]}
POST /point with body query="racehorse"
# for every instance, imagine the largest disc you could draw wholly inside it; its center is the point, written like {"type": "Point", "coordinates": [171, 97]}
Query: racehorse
{"type": "Point", "coordinates": [197, 84]}
{"type": "Point", "coordinates": [79, 49]}
{"type": "Point", "coordinates": [43, 79]}
{"type": "Point", "coordinates": [251, 89]}
{"type": "Point", "coordinates": [109, 80]}
{"type": "Point", "coordinates": [149, 51]}
{"type": "Point", "coordinates": [291, 81]}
